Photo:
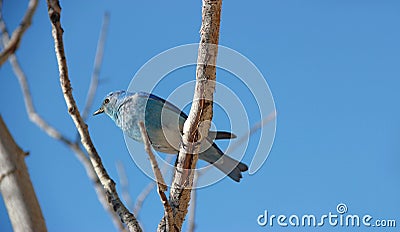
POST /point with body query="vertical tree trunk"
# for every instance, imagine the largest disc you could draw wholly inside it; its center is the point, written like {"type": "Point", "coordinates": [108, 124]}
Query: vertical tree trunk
{"type": "Point", "coordinates": [16, 187]}
{"type": "Point", "coordinates": [199, 119]}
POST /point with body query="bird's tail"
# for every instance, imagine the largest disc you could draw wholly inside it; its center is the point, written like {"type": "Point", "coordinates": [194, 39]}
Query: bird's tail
{"type": "Point", "coordinates": [226, 164]}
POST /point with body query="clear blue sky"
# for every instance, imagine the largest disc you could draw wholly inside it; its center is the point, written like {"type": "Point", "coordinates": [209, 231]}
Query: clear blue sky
{"type": "Point", "coordinates": [332, 66]}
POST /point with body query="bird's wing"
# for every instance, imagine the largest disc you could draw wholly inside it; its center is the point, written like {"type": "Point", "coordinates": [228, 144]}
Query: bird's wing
{"type": "Point", "coordinates": [213, 135]}
{"type": "Point", "coordinates": [166, 103]}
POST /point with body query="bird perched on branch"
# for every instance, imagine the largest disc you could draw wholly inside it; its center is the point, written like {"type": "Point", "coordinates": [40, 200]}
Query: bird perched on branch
{"type": "Point", "coordinates": [164, 125]}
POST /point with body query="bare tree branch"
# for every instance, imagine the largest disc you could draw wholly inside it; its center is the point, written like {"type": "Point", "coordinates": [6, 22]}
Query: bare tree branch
{"type": "Point", "coordinates": [54, 133]}
{"type": "Point", "coordinates": [33, 116]}
{"type": "Point", "coordinates": [161, 186]}
{"type": "Point", "coordinates": [94, 82]}
{"type": "Point", "coordinates": [15, 40]}
{"type": "Point", "coordinates": [16, 187]}
{"type": "Point", "coordinates": [146, 190]}
{"type": "Point", "coordinates": [54, 11]}
{"type": "Point", "coordinates": [197, 125]}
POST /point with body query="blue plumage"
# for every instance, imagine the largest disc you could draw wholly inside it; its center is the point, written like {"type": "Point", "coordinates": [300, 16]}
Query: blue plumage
{"type": "Point", "coordinates": [164, 124]}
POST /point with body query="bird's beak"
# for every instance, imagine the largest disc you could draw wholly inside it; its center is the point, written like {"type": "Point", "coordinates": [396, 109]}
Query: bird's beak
{"type": "Point", "coordinates": [99, 111]}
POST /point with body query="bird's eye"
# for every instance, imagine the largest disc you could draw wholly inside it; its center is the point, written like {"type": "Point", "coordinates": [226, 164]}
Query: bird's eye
{"type": "Point", "coordinates": [106, 101]}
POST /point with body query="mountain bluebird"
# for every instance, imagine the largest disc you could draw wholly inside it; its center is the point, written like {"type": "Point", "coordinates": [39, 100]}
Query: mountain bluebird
{"type": "Point", "coordinates": [164, 123]}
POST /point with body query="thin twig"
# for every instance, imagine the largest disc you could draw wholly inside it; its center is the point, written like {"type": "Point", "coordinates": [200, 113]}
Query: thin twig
{"type": "Point", "coordinates": [13, 43]}
{"type": "Point", "coordinates": [98, 60]}
{"type": "Point", "coordinates": [33, 116]}
{"type": "Point", "coordinates": [54, 11]}
{"type": "Point", "coordinates": [55, 134]}
{"type": "Point", "coordinates": [146, 190]}
{"type": "Point", "coordinates": [161, 186]}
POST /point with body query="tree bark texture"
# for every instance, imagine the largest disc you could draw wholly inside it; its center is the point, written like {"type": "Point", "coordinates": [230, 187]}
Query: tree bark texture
{"type": "Point", "coordinates": [16, 187]}
{"type": "Point", "coordinates": [198, 123]}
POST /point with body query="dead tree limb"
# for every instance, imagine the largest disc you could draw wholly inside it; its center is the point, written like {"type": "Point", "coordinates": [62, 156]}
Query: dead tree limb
{"type": "Point", "coordinates": [98, 60]}
{"type": "Point", "coordinates": [56, 134]}
{"type": "Point", "coordinates": [15, 40]}
{"type": "Point", "coordinates": [161, 186]}
{"type": "Point", "coordinates": [54, 11]}
{"type": "Point", "coordinates": [198, 123]}
{"type": "Point", "coordinates": [16, 187]}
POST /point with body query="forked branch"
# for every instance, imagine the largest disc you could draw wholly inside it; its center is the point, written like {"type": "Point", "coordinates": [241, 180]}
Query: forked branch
{"type": "Point", "coordinates": [15, 40]}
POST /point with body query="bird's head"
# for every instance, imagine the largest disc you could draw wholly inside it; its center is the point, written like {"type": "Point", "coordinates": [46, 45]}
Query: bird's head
{"type": "Point", "coordinates": [110, 103]}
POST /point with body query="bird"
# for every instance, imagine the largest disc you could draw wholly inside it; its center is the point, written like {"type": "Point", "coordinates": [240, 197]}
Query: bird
{"type": "Point", "coordinates": [164, 125]}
